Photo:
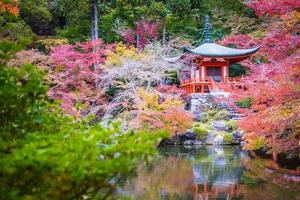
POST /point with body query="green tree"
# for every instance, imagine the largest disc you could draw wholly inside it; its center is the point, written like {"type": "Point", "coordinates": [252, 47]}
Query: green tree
{"type": "Point", "coordinates": [36, 13]}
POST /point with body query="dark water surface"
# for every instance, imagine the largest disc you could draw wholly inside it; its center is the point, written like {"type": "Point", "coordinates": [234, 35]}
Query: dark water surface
{"type": "Point", "coordinates": [211, 173]}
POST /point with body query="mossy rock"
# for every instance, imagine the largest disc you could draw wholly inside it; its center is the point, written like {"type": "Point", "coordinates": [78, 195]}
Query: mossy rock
{"type": "Point", "coordinates": [211, 112]}
{"type": "Point", "coordinates": [229, 139]}
{"type": "Point", "coordinates": [196, 124]}
{"type": "Point", "coordinates": [222, 115]}
{"type": "Point", "coordinates": [201, 133]}
{"type": "Point", "coordinates": [204, 117]}
{"type": "Point", "coordinates": [231, 125]}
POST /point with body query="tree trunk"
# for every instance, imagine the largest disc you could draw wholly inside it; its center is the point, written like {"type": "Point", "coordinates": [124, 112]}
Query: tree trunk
{"type": "Point", "coordinates": [137, 41]}
{"type": "Point", "coordinates": [164, 31]}
{"type": "Point", "coordinates": [95, 30]}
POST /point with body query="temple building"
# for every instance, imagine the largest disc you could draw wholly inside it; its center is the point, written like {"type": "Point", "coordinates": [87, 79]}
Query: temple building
{"type": "Point", "coordinates": [213, 62]}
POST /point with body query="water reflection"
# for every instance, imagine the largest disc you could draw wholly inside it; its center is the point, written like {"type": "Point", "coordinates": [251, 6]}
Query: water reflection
{"type": "Point", "coordinates": [209, 173]}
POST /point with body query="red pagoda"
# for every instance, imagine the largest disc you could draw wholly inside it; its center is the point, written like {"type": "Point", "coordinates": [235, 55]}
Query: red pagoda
{"type": "Point", "coordinates": [213, 62]}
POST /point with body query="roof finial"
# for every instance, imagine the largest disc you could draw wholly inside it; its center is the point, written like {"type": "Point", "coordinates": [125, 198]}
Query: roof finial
{"type": "Point", "coordinates": [207, 28]}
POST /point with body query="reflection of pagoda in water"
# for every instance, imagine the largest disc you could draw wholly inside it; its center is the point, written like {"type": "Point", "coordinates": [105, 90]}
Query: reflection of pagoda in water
{"type": "Point", "coordinates": [209, 172]}
{"type": "Point", "coordinates": [217, 174]}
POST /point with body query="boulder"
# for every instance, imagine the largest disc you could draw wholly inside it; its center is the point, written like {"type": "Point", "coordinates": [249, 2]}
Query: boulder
{"type": "Point", "coordinates": [197, 142]}
{"type": "Point", "coordinates": [238, 135]}
{"type": "Point", "coordinates": [219, 125]}
{"type": "Point", "coordinates": [188, 142]}
{"type": "Point", "coordinates": [218, 140]}
{"type": "Point", "coordinates": [210, 138]}
{"type": "Point", "coordinates": [242, 143]}
{"type": "Point", "coordinates": [188, 136]}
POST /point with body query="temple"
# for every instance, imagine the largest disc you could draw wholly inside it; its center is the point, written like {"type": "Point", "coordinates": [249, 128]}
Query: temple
{"type": "Point", "coordinates": [213, 62]}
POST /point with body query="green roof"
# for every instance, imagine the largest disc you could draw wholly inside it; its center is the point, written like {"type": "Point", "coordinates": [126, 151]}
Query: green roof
{"type": "Point", "coordinates": [215, 50]}
{"type": "Point", "coordinates": [210, 49]}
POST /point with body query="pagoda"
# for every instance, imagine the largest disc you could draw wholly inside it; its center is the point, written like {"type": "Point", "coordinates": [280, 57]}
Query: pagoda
{"type": "Point", "coordinates": [212, 61]}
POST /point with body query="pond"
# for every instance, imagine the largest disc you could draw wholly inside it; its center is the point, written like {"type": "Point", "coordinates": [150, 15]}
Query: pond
{"type": "Point", "coordinates": [211, 173]}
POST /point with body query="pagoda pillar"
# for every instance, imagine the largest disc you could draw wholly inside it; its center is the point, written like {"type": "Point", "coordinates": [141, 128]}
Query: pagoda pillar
{"type": "Point", "coordinates": [225, 73]}
{"type": "Point", "coordinates": [203, 74]}
{"type": "Point", "coordinates": [200, 74]}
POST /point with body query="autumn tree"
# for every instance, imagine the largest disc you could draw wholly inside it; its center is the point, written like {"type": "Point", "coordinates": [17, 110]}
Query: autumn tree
{"type": "Point", "coordinates": [273, 120]}
{"type": "Point", "coordinates": [126, 70]}
{"type": "Point", "coordinates": [74, 78]}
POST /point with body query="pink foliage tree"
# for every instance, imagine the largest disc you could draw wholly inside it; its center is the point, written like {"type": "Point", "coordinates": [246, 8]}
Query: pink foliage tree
{"type": "Point", "coordinates": [146, 31]}
{"type": "Point", "coordinates": [74, 77]}
{"type": "Point", "coordinates": [271, 7]}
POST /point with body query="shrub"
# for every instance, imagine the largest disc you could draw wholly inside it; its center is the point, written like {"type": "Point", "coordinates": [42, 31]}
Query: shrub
{"type": "Point", "coordinates": [222, 115]}
{"type": "Point", "coordinates": [157, 113]}
{"type": "Point", "coordinates": [245, 102]}
{"type": "Point", "coordinates": [88, 162]}
{"type": "Point", "coordinates": [24, 106]}
{"type": "Point", "coordinates": [201, 133]}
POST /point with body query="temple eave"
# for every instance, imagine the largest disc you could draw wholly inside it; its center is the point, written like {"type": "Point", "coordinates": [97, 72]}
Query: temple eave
{"type": "Point", "coordinates": [217, 51]}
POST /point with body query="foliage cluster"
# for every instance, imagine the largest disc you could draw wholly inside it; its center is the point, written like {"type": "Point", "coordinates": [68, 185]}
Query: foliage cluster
{"type": "Point", "coordinates": [75, 74]}
{"type": "Point", "coordinates": [76, 161]}
{"type": "Point", "coordinates": [272, 87]}
{"type": "Point", "coordinates": [46, 155]}
{"type": "Point", "coordinates": [126, 70]}
{"type": "Point", "coordinates": [161, 111]}
{"type": "Point", "coordinates": [72, 19]}
{"type": "Point", "coordinates": [245, 102]}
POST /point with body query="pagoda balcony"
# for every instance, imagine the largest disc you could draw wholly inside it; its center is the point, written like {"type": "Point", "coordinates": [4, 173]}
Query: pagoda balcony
{"type": "Point", "coordinates": [198, 85]}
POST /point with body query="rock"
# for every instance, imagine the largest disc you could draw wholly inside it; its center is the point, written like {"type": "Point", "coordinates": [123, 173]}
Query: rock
{"type": "Point", "coordinates": [188, 136]}
{"type": "Point", "coordinates": [223, 105]}
{"type": "Point", "coordinates": [219, 125]}
{"type": "Point", "coordinates": [242, 143]}
{"type": "Point", "coordinates": [238, 135]}
{"type": "Point", "coordinates": [174, 140]}
{"type": "Point", "coordinates": [188, 142]}
{"type": "Point", "coordinates": [218, 140]}
{"type": "Point", "coordinates": [199, 102]}
{"type": "Point", "coordinates": [210, 138]}
{"type": "Point", "coordinates": [197, 142]}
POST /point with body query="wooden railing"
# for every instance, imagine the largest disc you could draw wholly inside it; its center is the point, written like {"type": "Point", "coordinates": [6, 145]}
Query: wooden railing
{"type": "Point", "coordinates": [207, 80]}
{"type": "Point", "coordinates": [190, 85]}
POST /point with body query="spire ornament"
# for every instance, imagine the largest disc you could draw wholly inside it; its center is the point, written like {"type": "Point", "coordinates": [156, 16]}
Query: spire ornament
{"type": "Point", "coordinates": [207, 33]}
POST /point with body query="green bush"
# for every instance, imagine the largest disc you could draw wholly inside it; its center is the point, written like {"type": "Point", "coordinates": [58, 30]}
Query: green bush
{"type": "Point", "coordinates": [245, 102]}
{"type": "Point", "coordinates": [231, 125]}
{"type": "Point", "coordinates": [24, 105]}
{"type": "Point", "coordinates": [201, 133]}
{"type": "Point", "coordinates": [222, 115]}
{"type": "Point", "coordinates": [68, 165]}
